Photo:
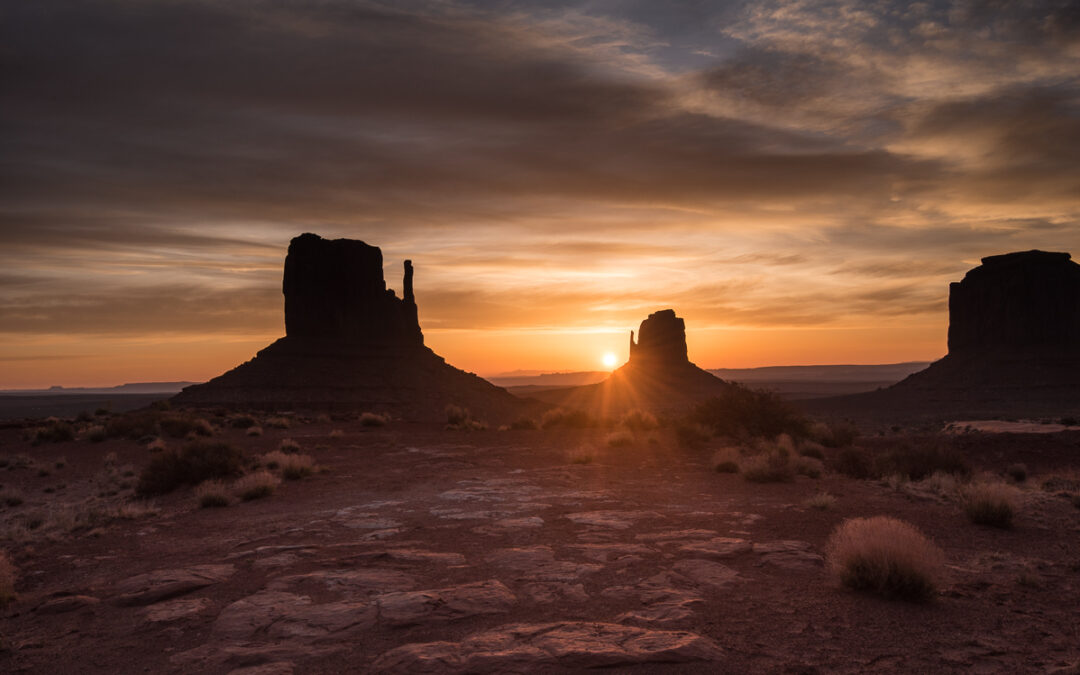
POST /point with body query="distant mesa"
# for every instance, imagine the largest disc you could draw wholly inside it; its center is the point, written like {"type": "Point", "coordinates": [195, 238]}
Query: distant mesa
{"type": "Point", "coordinates": [350, 344]}
{"type": "Point", "coordinates": [1014, 344]}
{"type": "Point", "coordinates": [658, 376]}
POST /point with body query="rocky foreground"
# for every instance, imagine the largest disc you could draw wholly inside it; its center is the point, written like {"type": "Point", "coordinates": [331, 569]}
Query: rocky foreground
{"type": "Point", "coordinates": [427, 551]}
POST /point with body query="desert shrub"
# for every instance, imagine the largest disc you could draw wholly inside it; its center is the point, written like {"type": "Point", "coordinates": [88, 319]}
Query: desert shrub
{"type": "Point", "coordinates": [744, 412]}
{"type": "Point", "coordinates": [524, 424]}
{"type": "Point", "coordinates": [834, 434]}
{"type": "Point", "coordinates": [726, 460]}
{"type": "Point", "coordinates": [808, 466]}
{"type": "Point", "coordinates": [96, 434]}
{"type": "Point", "coordinates": [940, 483]}
{"type": "Point", "coordinates": [919, 461]}
{"type": "Point", "coordinates": [885, 556]}
{"type": "Point", "coordinates": [133, 425]}
{"type": "Point", "coordinates": [772, 466]}
{"type": "Point", "coordinates": [639, 420]}
{"type": "Point", "coordinates": [989, 504]}
{"type": "Point", "coordinates": [254, 431]}
{"type": "Point", "coordinates": [1018, 472]}
{"type": "Point", "coordinates": [691, 435]}
{"type": "Point", "coordinates": [821, 501]}
{"type": "Point", "coordinates": [812, 449]}
{"type": "Point", "coordinates": [156, 445]}
{"type": "Point", "coordinates": [10, 497]}
{"type": "Point", "coordinates": [1069, 421]}
{"type": "Point", "coordinates": [854, 462]}
{"type": "Point", "coordinates": [256, 485]}
{"type": "Point", "coordinates": [7, 580]}
{"type": "Point", "coordinates": [293, 467]}
{"type": "Point", "coordinates": [620, 438]}
{"type": "Point", "coordinates": [336, 433]}
{"type": "Point", "coordinates": [197, 462]}
{"type": "Point", "coordinates": [278, 422]}
{"type": "Point", "coordinates": [54, 431]}
{"type": "Point", "coordinates": [370, 419]}
{"type": "Point", "coordinates": [288, 445]}
{"type": "Point", "coordinates": [456, 415]}
{"type": "Point", "coordinates": [242, 421]}
{"type": "Point", "coordinates": [212, 494]}
{"type": "Point", "coordinates": [563, 418]}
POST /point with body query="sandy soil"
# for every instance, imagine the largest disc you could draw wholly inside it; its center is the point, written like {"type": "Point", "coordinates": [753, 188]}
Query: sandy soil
{"type": "Point", "coordinates": [423, 550]}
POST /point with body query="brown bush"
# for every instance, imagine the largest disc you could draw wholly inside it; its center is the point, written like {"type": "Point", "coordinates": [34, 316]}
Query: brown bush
{"type": "Point", "coordinates": [885, 556]}
{"type": "Point", "coordinates": [989, 504]}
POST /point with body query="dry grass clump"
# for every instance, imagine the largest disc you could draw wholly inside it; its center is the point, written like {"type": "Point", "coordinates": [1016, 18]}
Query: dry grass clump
{"type": "Point", "coordinates": [742, 412]}
{"type": "Point", "coordinates": [10, 497]}
{"type": "Point", "coordinates": [822, 501]}
{"type": "Point", "coordinates": [885, 556]}
{"type": "Point", "coordinates": [337, 433]}
{"type": "Point", "coordinates": [834, 434]}
{"type": "Point", "coordinates": [212, 494]}
{"type": "Point", "coordinates": [639, 420]}
{"type": "Point", "coordinates": [692, 435]}
{"type": "Point", "coordinates": [288, 445]}
{"type": "Point", "coordinates": [1018, 472]}
{"type": "Point", "coordinates": [197, 462]}
{"type": "Point", "coordinates": [917, 461]}
{"type": "Point", "coordinates": [370, 419]}
{"type": "Point", "coordinates": [292, 467]}
{"type": "Point", "coordinates": [812, 449]}
{"type": "Point", "coordinates": [96, 434]}
{"type": "Point", "coordinates": [278, 422]}
{"type": "Point", "coordinates": [991, 504]}
{"type": "Point", "coordinates": [7, 580]}
{"type": "Point", "coordinates": [256, 485]}
{"type": "Point", "coordinates": [854, 462]}
{"type": "Point", "coordinates": [808, 466]}
{"type": "Point", "coordinates": [562, 418]}
{"type": "Point", "coordinates": [242, 422]}
{"type": "Point", "coordinates": [726, 460]}
{"type": "Point", "coordinates": [524, 424]}
{"type": "Point", "coordinates": [254, 431]}
{"type": "Point", "coordinates": [772, 465]}
{"type": "Point", "coordinates": [156, 445]}
{"type": "Point", "coordinates": [620, 438]}
{"type": "Point", "coordinates": [54, 431]}
{"type": "Point", "coordinates": [460, 419]}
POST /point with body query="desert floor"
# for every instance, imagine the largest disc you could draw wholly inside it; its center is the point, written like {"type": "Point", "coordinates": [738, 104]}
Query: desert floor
{"type": "Point", "coordinates": [415, 549]}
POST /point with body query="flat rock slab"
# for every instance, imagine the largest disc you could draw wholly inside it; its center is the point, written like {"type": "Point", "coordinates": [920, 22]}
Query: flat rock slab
{"type": "Point", "coordinates": [146, 589]}
{"type": "Point", "coordinates": [790, 554]}
{"type": "Point", "coordinates": [527, 648]}
{"type": "Point", "coordinates": [66, 603]}
{"type": "Point", "coordinates": [610, 552]}
{"type": "Point", "coordinates": [707, 573]}
{"type": "Point", "coordinates": [675, 536]}
{"type": "Point", "coordinates": [538, 564]}
{"type": "Point", "coordinates": [445, 604]}
{"type": "Point", "coordinates": [172, 610]}
{"type": "Point", "coordinates": [276, 615]}
{"type": "Point", "coordinates": [276, 668]}
{"type": "Point", "coordinates": [619, 520]}
{"type": "Point", "coordinates": [367, 581]}
{"type": "Point", "coordinates": [718, 547]}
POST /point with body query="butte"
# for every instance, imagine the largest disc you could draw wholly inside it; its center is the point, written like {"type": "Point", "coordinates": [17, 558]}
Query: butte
{"type": "Point", "coordinates": [658, 376]}
{"type": "Point", "coordinates": [1014, 347]}
{"type": "Point", "coordinates": [350, 345]}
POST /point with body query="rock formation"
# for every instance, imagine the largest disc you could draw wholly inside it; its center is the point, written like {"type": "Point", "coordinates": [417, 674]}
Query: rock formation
{"type": "Point", "coordinates": [1014, 346]}
{"type": "Point", "coordinates": [658, 376]}
{"type": "Point", "coordinates": [350, 344]}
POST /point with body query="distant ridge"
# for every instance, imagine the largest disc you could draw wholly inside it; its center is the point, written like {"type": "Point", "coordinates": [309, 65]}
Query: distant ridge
{"type": "Point", "coordinates": [128, 388]}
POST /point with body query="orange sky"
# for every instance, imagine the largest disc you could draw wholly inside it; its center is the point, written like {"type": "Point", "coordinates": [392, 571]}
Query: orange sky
{"type": "Point", "coordinates": [800, 182]}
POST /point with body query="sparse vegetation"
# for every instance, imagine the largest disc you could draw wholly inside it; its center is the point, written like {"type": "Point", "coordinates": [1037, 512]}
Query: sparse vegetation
{"type": "Point", "coordinates": [7, 580]}
{"type": "Point", "coordinates": [885, 556]}
{"type": "Point", "coordinates": [692, 435]}
{"type": "Point", "coordinates": [1018, 472]}
{"type": "Point", "coordinates": [288, 445]}
{"type": "Point", "coordinates": [242, 422]}
{"type": "Point", "coordinates": [96, 434]}
{"type": "Point", "coordinates": [812, 449]}
{"type": "Point", "coordinates": [743, 412]}
{"type": "Point", "coordinates": [808, 466]}
{"type": "Point", "coordinates": [156, 445]}
{"type": "Point", "coordinates": [460, 419]}
{"type": "Point", "coordinates": [822, 501]}
{"type": "Point", "coordinates": [990, 504]}
{"type": "Point", "coordinates": [254, 431]}
{"type": "Point", "coordinates": [292, 466]}
{"type": "Point", "coordinates": [197, 462]}
{"type": "Point", "coordinates": [10, 497]}
{"type": "Point", "coordinates": [639, 420]}
{"type": "Point", "coordinates": [726, 460]}
{"type": "Point", "coordinates": [278, 422]}
{"type": "Point", "coordinates": [524, 424]}
{"type": "Point", "coordinates": [370, 419]}
{"type": "Point", "coordinates": [620, 438]}
{"type": "Point", "coordinates": [582, 455]}
{"type": "Point", "coordinates": [834, 434]}
{"type": "Point", "coordinates": [917, 461]}
{"type": "Point", "coordinates": [54, 431]}
{"type": "Point", "coordinates": [256, 485]}
{"type": "Point", "coordinates": [772, 466]}
{"type": "Point", "coordinates": [563, 418]}
{"type": "Point", "coordinates": [212, 494]}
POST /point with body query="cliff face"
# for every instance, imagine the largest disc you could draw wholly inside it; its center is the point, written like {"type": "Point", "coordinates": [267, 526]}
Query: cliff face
{"type": "Point", "coordinates": [334, 289]}
{"type": "Point", "coordinates": [1019, 305]}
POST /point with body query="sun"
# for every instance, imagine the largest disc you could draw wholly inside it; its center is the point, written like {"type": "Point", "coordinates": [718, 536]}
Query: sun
{"type": "Point", "coordinates": [609, 359]}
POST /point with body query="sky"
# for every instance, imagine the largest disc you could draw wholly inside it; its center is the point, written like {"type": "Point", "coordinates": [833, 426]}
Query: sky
{"type": "Point", "coordinates": [799, 180]}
